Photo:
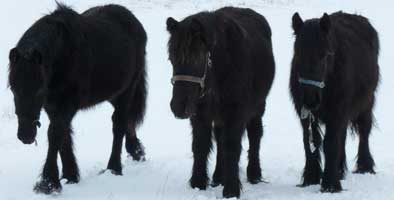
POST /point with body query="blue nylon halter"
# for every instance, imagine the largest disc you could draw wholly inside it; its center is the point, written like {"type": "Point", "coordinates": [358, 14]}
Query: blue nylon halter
{"type": "Point", "coordinates": [319, 84]}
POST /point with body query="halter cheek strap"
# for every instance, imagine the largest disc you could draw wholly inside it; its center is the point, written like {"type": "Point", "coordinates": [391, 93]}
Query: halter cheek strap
{"type": "Point", "coordinates": [187, 78]}
{"type": "Point", "coordinates": [319, 84]}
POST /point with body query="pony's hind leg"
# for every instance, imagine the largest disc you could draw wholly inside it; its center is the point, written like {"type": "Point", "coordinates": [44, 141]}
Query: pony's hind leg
{"type": "Point", "coordinates": [255, 133]}
{"type": "Point", "coordinates": [70, 167]}
{"type": "Point", "coordinates": [135, 117]}
{"type": "Point", "coordinates": [342, 163]}
{"type": "Point", "coordinates": [365, 162]}
{"type": "Point", "coordinates": [119, 129]}
{"type": "Point", "coordinates": [312, 171]}
{"type": "Point", "coordinates": [133, 145]}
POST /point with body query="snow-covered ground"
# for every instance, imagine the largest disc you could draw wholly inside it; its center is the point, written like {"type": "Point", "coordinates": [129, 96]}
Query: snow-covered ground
{"type": "Point", "coordinates": [166, 172]}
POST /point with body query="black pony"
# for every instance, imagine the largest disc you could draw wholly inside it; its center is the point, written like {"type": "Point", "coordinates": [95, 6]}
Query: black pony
{"type": "Point", "coordinates": [223, 69]}
{"type": "Point", "coordinates": [333, 81]}
{"type": "Point", "coordinates": [67, 62]}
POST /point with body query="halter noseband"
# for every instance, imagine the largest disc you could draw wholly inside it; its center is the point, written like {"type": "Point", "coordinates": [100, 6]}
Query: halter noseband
{"type": "Point", "coordinates": [195, 79]}
{"type": "Point", "coordinates": [319, 84]}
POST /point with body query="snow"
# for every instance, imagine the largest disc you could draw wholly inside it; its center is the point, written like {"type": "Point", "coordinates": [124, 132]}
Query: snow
{"type": "Point", "coordinates": [166, 172]}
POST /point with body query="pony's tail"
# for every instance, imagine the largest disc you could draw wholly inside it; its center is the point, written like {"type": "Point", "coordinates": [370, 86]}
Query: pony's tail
{"type": "Point", "coordinates": [138, 106]}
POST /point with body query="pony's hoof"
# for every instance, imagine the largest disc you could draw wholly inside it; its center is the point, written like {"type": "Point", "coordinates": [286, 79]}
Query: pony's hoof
{"type": "Point", "coordinates": [255, 181]}
{"type": "Point", "coordinates": [304, 184]}
{"type": "Point", "coordinates": [199, 182]}
{"type": "Point", "coordinates": [232, 190]}
{"type": "Point", "coordinates": [114, 172]}
{"type": "Point", "coordinates": [331, 187]}
{"type": "Point", "coordinates": [364, 170]}
{"type": "Point", "coordinates": [216, 179]}
{"type": "Point", "coordinates": [216, 183]}
{"type": "Point", "coordinates": [117, 172]}
{"type": "Point", "coordinates": [71, 179]}
{"type": "Point", "coordinates": [136, 150]}
{"type": "Point", "coordinates": [48, 187]}
{"type": "Point", "coordinates": [254, 174]}
{"type": "Point", "coordinates": [307, 183]}
{"type": "Point", "coordinates": [115, 167]}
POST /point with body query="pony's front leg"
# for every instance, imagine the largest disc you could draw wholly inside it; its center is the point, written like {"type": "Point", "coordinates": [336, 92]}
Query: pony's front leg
{"type": "Point", "coordinates": [201, 146]}
{"type": "Point", "coordinates": [119, 128]}
{"type": "Point", "coordinates": [217, 178]}
{"type": "Point", "coordinates": [58, 129]}
{"type": "Point", "coordinates": [231, 138]}
{"type": "Point", "coordinates": [333, 145]}
{"type": "Point", "coordinates": [312, 170]}
{"type": "Point", "coordinates": [70, 167]}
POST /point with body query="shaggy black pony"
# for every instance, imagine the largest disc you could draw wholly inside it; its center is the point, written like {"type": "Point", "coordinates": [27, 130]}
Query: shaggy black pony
{"type": "Point", "coordinates": [333, 81]}
{"type": "Point", "coordinates": [67, 62]}
{"type": "Point", "coordinates": [223, 69]}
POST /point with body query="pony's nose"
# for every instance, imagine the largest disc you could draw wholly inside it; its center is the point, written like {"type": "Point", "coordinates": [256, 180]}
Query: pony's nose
{"type": "Point", "coordinates": [27, 133]}
{"type": "Point", "coordinates": [179, 109]}
{"type": "Point", "coordinates": [26, 140]}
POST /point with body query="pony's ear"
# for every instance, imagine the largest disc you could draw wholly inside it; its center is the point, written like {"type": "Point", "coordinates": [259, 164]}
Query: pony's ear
{"type": "Point", "coordinates": [171, 24]}
{"type": "Point", "coordinates": [297, 23]}
{"type": "Point", "coordinates": [14, 55]}
{"type": "Point", "coordinates": [325, 23]}
{"type": "Point", "coordinates": [33, 55]}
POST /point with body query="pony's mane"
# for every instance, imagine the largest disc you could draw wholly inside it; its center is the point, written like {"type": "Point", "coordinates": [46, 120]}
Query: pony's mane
{"type": "Point", "coordinates": [62, 13]}
{"type": "Point", "coordinates": [41, 34]}
{"type": "Point", "coordinates": [180, 45]}
{"type": "Point", "coordinates": [70, 20]}
{"type": "Point", "coordinates": [61, 7]}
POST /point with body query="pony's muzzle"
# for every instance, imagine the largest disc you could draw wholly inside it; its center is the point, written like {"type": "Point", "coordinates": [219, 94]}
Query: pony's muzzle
{"type": "Point", "coordinates": [27, 133]}
{"type": "Point", "coordinates": [312, 100]}
{"type": "Point", "coordinates": [26, 140]}
{"type": "Point", "coordinates": [182, 109]}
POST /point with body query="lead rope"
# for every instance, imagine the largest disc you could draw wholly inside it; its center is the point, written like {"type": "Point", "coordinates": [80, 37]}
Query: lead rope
{"type": "Point", "coordinates": [37, 124]}
{"type": "Point", "coordinates": [208, 66]}
{"type": "Point", "coordinates": [307, 114]}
